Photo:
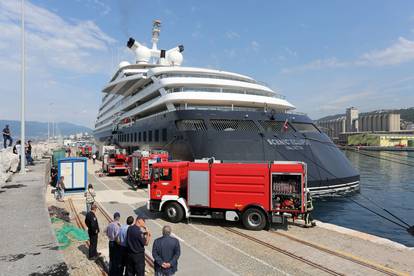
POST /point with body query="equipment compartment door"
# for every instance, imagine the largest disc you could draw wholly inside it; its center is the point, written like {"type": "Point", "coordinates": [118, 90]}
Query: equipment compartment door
{"type": "Point", "coordinates": [286, 191]}
{"type": "Point", "coordinates": [198, 188]}
{"type": "Point", "coordinates": [66, 171]}
{"type": "Point", "coordinates": [79, 177]}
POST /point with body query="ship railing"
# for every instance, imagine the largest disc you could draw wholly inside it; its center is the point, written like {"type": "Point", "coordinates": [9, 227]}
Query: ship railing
{"type": "Point", "coordinates": [296, 112]}
{"type": "Point", "coordinates": [194, 75]}
{"type": "Point", "coordinates": [225, 90]}
{"type": "Point", "coordinates": [217, 108]}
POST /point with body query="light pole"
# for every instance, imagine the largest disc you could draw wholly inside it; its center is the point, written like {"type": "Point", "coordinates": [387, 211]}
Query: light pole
{"type": "Point", "coordinates": [49, 122]}
{"type": "Point", "coordinates": [23, 104]}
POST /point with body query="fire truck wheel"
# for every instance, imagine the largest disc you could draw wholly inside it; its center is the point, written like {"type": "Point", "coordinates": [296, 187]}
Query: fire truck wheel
{"type": "Point", "coordinates": [254, 219]}
{"type": "Point", "coordinates": [174, 212]}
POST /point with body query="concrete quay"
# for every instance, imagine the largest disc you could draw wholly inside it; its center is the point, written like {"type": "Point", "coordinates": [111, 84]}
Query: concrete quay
{"type": "Point", "coordinates": [28, 244]}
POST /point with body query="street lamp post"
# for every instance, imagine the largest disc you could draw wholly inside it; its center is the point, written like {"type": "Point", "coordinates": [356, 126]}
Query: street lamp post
{"type": "Point", "coordinates": [22, 104]}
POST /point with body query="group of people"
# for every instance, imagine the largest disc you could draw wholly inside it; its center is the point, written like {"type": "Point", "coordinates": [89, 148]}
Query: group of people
{"type": "Point", "coordinates": [127, 246]}
{"type": "Point", "coordinates": [8, 142]}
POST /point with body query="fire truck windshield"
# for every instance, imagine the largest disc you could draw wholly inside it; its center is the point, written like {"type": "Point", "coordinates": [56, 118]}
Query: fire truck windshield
{"type": "Point", "coordinates": [162, 174]}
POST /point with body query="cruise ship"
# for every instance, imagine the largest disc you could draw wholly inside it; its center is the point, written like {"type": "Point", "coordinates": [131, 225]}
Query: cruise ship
{"type": "Point", "coordinates": [194, 113]}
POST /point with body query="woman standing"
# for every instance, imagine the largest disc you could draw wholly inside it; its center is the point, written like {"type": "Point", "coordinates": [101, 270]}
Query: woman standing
{"type": "Point", "coordinates": [60, 188]}
{"type": "Point", "coordinates": [90, 197]}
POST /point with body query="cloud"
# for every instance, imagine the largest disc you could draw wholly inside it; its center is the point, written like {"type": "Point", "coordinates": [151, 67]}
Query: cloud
{"type": "Point", "coordinates": [197, 32]}
{"type": "Point", "coordinates": [401, 51]}
{"type": "Point", "coordinates": [64, 58]}
{"type": "Point", "coordinates": [105, 9]}
{"type": "Point", "coordinates": [51, 40]}
{"type": "Point", "coordinates": [254, 45]}
{"type": "Point", "coordinates": [316, 65]}
{"type": "Point", "coordinates": [231, 53]}
{"type": "Point", "coordinates": [291, 52]}
{"type": "Point", "coordinates": [232, 35]}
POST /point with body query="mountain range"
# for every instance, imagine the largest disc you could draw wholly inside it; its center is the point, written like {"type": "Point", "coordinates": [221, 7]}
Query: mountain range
{"type": "Point", "coordinates": [38, 130]}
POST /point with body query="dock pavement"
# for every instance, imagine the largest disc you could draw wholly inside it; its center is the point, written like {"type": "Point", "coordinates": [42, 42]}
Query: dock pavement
{"type": "Point", "coordinates": [209, 247]}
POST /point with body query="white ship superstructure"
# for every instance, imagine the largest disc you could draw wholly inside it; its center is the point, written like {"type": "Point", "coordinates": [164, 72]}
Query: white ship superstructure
{"type": "Point", "coordinates": [157, 83]}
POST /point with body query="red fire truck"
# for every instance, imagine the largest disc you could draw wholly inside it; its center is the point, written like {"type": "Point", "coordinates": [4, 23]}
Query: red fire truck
{"type": "Point", "coordinates": [256, 194]}
{"type": "Point", "coordinates": [140, 165]}
{"type": "Point", "coordinates": [85, 151]}
{"type": "Point", "coordinates": [115, 162]}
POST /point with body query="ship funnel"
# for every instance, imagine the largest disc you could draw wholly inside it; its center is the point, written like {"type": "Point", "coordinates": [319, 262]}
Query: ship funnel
{"type": "Point", "coordinates": [132, 44]}
{"type": "Point", "coordinates": [174, 56]}
{"type": "Point", "coordinates": [142, 53]}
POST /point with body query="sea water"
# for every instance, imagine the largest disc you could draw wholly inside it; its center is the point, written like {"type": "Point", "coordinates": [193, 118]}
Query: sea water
{"type": "Point", "coordinates": [383, 180]}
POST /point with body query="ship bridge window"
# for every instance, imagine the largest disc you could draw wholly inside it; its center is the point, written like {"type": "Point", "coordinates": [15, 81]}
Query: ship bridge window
{"type": "Point", "coordinates": [145, 136]}
{"type": "Point", "coordinates": [139, 137]}
{"type": "Point", "coordinates": [164, 135]}
{"type": "Point", "coordinates": [305, 127]}
{"type": "Point", "coordinates": [234, 125]}
{"type": "Point", "coordinates": [157, 135]}
{"type": "Point", "coordinates": [195, 125]}
{"type": "Point", "coordinates": [150, 136]}
{"type": "Point", "coordinates": [276, 126]}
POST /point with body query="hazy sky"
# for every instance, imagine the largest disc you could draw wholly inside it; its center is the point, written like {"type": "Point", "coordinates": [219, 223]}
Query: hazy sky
{"type": "Point", "coordinates": [322, 55]}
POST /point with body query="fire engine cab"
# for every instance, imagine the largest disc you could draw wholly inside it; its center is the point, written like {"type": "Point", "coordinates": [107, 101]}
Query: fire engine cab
{"type": "Point", "coordinates": [140, 165]}
{"type": "Point", "coordinates": [257, 194]}
{"type": "Point", "coordinates": [115, 162]}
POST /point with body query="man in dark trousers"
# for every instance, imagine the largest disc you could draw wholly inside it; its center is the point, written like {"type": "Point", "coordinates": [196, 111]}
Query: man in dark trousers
{"type": "Point", "coordinates": [138, 237]}
{"type": "Point", "coordinates": [112, 232]}
{"type": "Point", "coordinates": [93, 229]}
{"type": "Point", "coordinates": [166, 251]}
{"type": "Point", "coordinates": [123, 244]}
{"type": "Point", "coordinates": [7, 136]}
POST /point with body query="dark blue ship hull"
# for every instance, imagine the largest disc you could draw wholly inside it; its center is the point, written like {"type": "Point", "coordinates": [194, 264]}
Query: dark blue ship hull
{"type": "Point", "coordinates": [242, 136]}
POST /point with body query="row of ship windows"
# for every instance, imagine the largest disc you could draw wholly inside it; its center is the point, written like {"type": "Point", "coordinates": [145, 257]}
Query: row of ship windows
{"type": "Point", "coordinates": [245, 125]}
{"type": "Point", "coordinates": [218, 125]}
{"type": "Point", "coordinates": [145, 136]}
{"type": "Point", "coordinates": [192, 75]}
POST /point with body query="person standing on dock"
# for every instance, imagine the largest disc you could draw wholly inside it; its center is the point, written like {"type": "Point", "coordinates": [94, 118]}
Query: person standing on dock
{"type": "Point", "coordinates": [94, 158]}
{"type": "Point", "coordinates": [29, 158]}
{"type": "Point", "coordinates": [112, 232]}
{"type": "Point", "coordinates": [138, 236]}
{"type": "Point", "coordinates": [166, 251]}
{"type": "Point", "coordinates": [7, 137]}
{"type": "Point", "coordinates": [123, 243]}
{"type": "Point", "coordinates": [60, 189]}
{"type": "Point", "coordinates": [93, 229]}
{"type": "Point", "coordinates": [90, 197]}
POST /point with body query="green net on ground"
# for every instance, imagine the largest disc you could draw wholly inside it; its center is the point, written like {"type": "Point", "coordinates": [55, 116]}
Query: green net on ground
{"type": "Point", "coordinates": [68, 232]}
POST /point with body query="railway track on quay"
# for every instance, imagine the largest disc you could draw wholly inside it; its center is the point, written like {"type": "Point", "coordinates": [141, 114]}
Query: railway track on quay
{"type": "Point", "coordinates": [101, 264]}
{"type": "Point", "coordinates": [342, 255]}
{"type": "Point", "coordinates": [104, 269]}
{"type": "Point", "coordinates": [283, 251]}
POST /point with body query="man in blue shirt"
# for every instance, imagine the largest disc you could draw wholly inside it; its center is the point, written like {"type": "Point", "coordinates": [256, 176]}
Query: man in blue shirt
{"type": "Point", "coordinates": [114, 248]}
{"type": "Point", "coordinates": [166, 251]}
{"type": "Point", "coordinates": [123, 243]}
{"type": "Point", "coordinates": [138, 237]}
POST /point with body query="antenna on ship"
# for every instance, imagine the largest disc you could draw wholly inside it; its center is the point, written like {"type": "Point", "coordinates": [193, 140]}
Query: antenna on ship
{"type": "Point", "coordinates": [156, 28]}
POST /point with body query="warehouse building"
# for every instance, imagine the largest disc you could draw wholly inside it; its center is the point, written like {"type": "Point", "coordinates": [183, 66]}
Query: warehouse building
{"type": "Point", "coordinates": [352, 122]}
